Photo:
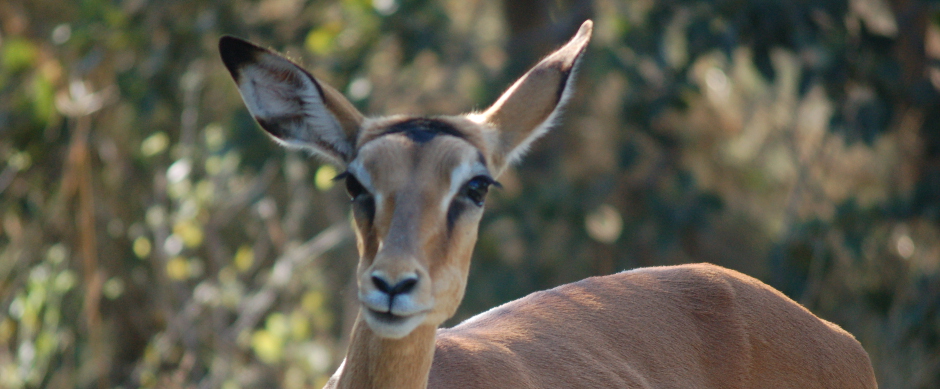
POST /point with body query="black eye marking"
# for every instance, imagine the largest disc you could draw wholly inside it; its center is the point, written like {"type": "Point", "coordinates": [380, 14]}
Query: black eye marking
{"type": "Point", "coordinates": [453, 212]}
{"type": "Point", "coordinates": [362, 200]}
{"type": "Point", "coordinates": [355, 189]}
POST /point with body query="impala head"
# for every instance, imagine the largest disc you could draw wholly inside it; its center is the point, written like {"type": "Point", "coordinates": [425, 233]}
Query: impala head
{"type": "Point", "coordinates": [417, 183]}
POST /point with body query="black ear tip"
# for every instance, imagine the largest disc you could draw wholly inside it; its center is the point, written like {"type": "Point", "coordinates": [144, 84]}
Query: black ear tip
{"type": "Point", "coordinates": [228, 43]}
{"type": "Point", "coordinates": [236, 52]}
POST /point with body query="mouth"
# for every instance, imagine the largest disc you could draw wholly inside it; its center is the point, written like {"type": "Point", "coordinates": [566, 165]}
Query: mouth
{"type": "Point", "coordinates": [390, 325]}
{"type": "Point", "coordinates": [387, 318]}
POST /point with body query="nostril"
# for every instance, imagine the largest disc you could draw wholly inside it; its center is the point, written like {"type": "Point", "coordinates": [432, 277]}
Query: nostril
{"type": "Point", "coordinates": [381, 285]}
{"type": "Point", "coordinates": [405, 286]}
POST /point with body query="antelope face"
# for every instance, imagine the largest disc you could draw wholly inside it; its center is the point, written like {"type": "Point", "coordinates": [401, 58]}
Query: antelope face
{"type": "Point", "coordinates": [417, 184]}
{"type": "Point", "coordinates": [417, 187]}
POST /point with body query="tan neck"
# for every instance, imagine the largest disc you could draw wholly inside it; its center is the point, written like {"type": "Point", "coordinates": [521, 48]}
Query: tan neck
{"type": "Point", "coordinates": [374, 362]}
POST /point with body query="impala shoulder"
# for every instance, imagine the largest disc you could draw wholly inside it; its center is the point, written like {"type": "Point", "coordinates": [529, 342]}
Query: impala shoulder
{"type": "Point", "coordinates": [466, 360]}
{"type": "Point", "coordinates": [696, 275]}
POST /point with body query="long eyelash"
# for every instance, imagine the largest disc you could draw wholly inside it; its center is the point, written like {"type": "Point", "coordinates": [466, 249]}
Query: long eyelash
{"type": "Point", "coordinates": [493, 182]}
{"type": "Point", "coordinates": [341, 176]}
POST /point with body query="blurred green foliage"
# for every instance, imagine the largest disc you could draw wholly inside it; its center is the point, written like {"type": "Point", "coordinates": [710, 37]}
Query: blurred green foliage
{"type": "Point", "coordinates": [151, 236]}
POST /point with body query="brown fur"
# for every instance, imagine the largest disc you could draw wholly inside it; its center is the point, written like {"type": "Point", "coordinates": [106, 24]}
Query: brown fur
{"type": "Point", "coordinates": [688, 326]}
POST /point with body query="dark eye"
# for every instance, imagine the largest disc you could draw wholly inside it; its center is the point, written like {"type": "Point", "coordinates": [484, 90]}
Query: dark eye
{"type": "Point", "coordinates": [354, 188]}
{"type": "Point", "coordinates": [475, 190]}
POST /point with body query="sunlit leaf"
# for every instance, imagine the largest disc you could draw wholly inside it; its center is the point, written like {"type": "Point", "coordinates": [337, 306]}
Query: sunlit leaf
{"type": "Point", "coordinates": [299, 326]}
{"type": "Point", "coordinates": [244, 258]}
{"type": "Point", "coordinates": [65, 280]}
{"type": "Point", "coordinates": [312, 301]}
{"type": "Point", "coordinates": [267, 346]}
{"type": "Point", "coordinates": [19, 160]}
{"type": "Point", "coordinates": [57, 253]}
{"type": "Point", "coordinates": [190, 232]}
{"type": "Point", "coordinates": [177, 269]}
{"type": "Point", "coordinates": [154, 144]}
{"type": "Point", "coordinates": [213, 165]}
{"type": "Point", "coordinates": [324, 177]}
{"type": "Point", "coordinates": [205, 191]}
{"type": "Point", "coordinates": [215, 137]}
{"type": "Point", "coordinates": [277, 324]}
{"type": "Point", "coordinates": [113, 288]}
{"type": "Point", "coordinates": [322, 40]}
{"type": "Point", "coordinates": [142, 247]}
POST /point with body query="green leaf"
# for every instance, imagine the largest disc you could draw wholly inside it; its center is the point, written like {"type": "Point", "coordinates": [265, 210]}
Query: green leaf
{"type": "Point", "coordinates": [18, 54]}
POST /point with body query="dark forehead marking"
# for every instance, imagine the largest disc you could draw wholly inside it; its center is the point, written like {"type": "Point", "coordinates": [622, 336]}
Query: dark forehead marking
{"type": "Point", "coordinates": [422, 130]}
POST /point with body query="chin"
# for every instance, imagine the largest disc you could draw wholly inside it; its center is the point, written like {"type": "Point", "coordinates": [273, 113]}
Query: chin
{"type": "Point", "coordinates": [389, 326]}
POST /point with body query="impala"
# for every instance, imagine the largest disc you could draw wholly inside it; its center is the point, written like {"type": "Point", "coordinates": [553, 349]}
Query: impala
{"type": "Point", "coordinates": [418, 185]}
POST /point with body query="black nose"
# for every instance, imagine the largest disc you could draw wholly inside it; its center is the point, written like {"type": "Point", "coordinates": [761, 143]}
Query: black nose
{"type": "Point", "coordinates": [403, 286]}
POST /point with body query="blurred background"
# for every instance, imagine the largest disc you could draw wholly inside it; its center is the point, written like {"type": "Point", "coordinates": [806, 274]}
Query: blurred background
{"type": "Point", "coordinates": [151, 235]}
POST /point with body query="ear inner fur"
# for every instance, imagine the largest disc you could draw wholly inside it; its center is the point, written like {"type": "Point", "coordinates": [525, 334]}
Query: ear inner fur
{"type": "Point", "coordinates": [290, 104]}
{"type": "Point", "coordinates": [529, 108]}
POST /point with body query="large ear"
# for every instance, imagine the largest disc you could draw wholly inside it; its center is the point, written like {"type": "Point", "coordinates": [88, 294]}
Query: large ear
{"type": "Point", "coordinates": [529, 108]}
{"type": "Point", "coordinates": [290, 104]}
